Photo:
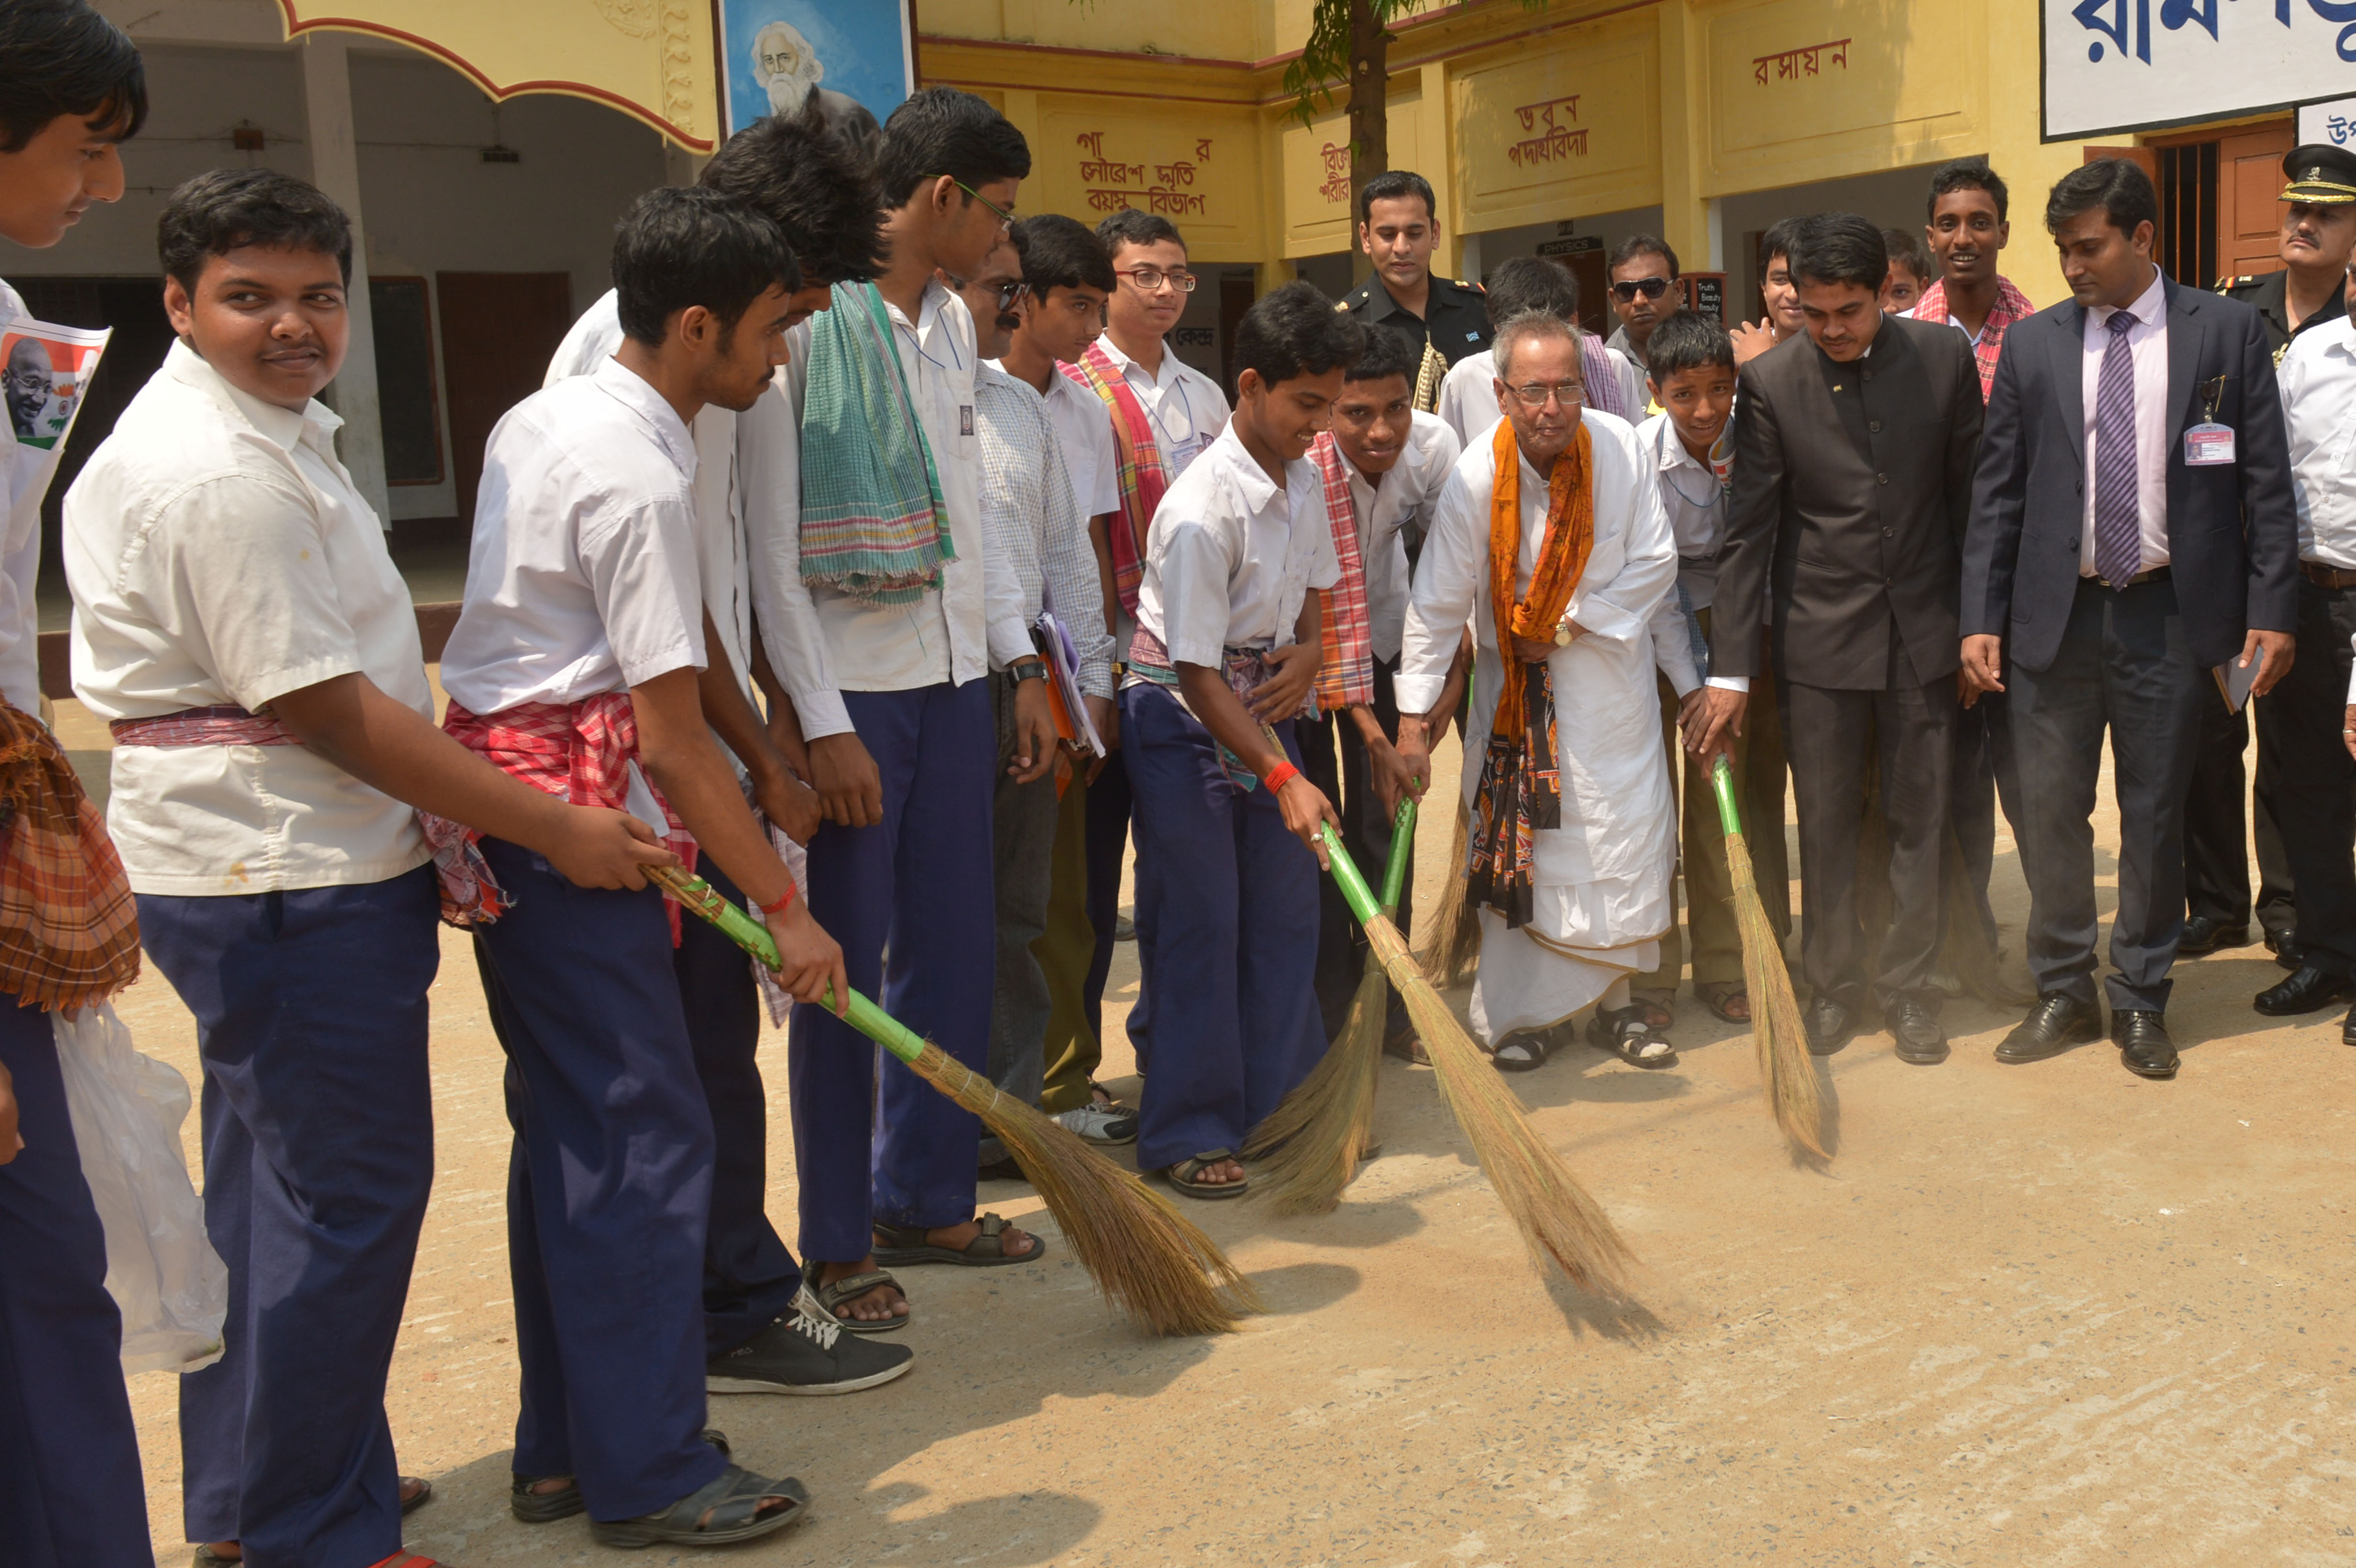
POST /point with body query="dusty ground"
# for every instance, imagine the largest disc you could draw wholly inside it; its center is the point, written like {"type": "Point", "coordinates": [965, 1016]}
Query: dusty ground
{"type": "Point", "coordinates": [2053, 1315]}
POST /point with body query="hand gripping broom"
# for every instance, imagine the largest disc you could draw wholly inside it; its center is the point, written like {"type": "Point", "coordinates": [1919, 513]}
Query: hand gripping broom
{"type": "Point", "coordinates": [1784, 1066]}
{"type": "Point", "coordinates": [1555, 1217]}
{"type": "Point", "coordinates": [1316, 1137]}
{"type": "Point", "coordinates": [1147, 1260]}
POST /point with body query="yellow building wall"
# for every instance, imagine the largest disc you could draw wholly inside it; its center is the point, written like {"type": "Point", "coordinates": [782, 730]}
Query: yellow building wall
{"type": "Point", "coordinates": [1518, 116]}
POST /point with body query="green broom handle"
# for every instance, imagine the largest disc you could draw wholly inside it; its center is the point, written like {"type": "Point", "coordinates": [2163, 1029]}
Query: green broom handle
{"type": "Point", "coordinates": [1355, 892]}
{"type": "Point", "coordinates": [1721, 784]}
{"type": "Point", "coordinates": [1395, 873]}
{"type": "Point", "coordinates": [754, 937]}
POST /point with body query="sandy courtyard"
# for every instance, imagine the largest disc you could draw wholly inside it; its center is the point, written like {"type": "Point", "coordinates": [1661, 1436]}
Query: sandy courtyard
{"type": "Point", "coordinates": [2052, 1314]}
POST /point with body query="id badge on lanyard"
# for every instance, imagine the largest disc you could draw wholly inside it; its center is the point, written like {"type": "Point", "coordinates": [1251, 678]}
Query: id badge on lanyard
{"type": "Point", "coordinates": [2210, 444]}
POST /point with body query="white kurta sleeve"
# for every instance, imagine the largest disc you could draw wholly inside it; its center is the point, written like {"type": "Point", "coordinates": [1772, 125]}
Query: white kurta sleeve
{"type": "Point", "coordinates": [1450, 572]}
{"type": "Point", "coordinates": [1617, 602]}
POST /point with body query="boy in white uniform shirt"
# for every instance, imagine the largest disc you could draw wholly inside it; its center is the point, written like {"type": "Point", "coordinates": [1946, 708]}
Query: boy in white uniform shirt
{"type": "Point", "coordinates": [1186, 407]}
{"type": "Point", "coordinates": [1383, 462]}
{"type": "Point", "coordinates": [817, 191]}
{"type": "Point", "coordinates": [238, 620]}
{"type": "Point", "coordinates": [579, 664]}
{"type": "Point", "coordinates": [1227, 647]}
{"type": "Point", "coordinates": [885, 671]}
{"type": "Point", "coordinates": [1068, 277]}
{"type": "Point", "coordinates": [72, 89]}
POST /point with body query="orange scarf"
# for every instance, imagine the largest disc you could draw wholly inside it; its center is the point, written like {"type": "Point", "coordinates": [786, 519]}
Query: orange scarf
{"type": "Point", "coordinates": [1562, 556]}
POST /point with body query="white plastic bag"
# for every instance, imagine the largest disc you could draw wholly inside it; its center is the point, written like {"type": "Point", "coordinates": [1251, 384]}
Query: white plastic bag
{"type": "Point", "coordinates": [161, 1268]}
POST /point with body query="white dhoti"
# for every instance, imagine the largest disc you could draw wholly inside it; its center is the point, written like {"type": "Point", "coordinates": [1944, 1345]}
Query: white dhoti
{"type": "Point", "coordinates": [1604, 890]}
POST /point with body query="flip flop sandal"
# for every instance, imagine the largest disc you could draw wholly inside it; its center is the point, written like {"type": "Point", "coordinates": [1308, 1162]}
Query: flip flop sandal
{"type": "Point", "coordinates": [547, 1507]}
{"type": "Point", "coordinates": [1524, 1050]}
{"type": "Point", "coordinates": [1408, 1046]}
{"type": "Point", "coordinates": [1625, 1034]}
{"type": "Point", "coordinates": [1718, 995]}
{"type": "Point", "coordinates": [733, 1499]}
{"type": "Point", "coordinates": [1182, 1174]}
{"type": "Point", "coordinates": [905, 1245]}
{"type": "Point", "coordinates": [829, 1297]}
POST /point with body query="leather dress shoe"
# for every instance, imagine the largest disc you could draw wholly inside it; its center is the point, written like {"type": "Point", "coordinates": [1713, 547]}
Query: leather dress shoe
{"type": "Point", "coordinates": [2309, 990]}
{"type": "Point", "coordinates": [1916, 1030]}
{"type": "Point", "coordinates": [2348, 1028]}
{"type": "Point", "coordinates": [2144, 1048]}
{"type": "Point", "coordinates": [2057, 1022]}
{"type": "Point", "coordinates": [2284, 944]}
{"type": "Point", "coordinates": [1830, 1026]}
{"type": "Point", "coordinates": [2202, 934]}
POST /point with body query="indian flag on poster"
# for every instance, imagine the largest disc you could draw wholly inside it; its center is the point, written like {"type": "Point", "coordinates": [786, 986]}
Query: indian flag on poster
{"type": "Point", "coordinates": [45, 375]}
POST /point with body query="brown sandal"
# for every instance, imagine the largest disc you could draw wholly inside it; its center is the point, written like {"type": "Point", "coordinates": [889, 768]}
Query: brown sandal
{"type": "Point", "coordinates": [1721, 998]}
{"type": "Point", "coordinates": [1182, 1174]}
{"type": "Point", "coordinates": [902, 1245]}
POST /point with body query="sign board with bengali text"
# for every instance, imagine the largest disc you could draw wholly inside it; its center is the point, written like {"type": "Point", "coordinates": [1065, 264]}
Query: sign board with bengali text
{"type": "Point", "coordinates": [2330, 124]}
{"type": "Point", "coordinates": [1573, 129]}
{"type": "Point", "coordinates": [1093, 157]}
{"type": "Point", "coordinates": [2117, 66]}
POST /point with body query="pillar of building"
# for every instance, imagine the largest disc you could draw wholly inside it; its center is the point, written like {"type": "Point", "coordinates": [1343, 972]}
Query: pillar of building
{"type": "Point", "coordinates": [1688, 218]}
{"type": "Point", "coordinates": [335, 169]}
{"type": "Point", "coordinates": [2018, 152]}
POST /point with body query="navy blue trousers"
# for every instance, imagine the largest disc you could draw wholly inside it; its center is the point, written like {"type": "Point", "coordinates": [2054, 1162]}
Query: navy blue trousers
{"type": "Point", "coordinates": [1228, 898]}
{"type": "Point", "coordinates": [609, 1188]}
{"type": "Point", "coordinates": [71, 1491]}
{"type": "Point", "coordinates": [918, 885]}
{"type": "Point", "coordinates": [319, 1149]}
{"type": "Point", "coordinates": [750, 1278]}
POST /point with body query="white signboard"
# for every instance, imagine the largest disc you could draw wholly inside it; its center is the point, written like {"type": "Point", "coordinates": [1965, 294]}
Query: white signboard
{"type": "Point", "coordinates": [2114, 66]}
{"type": "Point", "coordinates": [2329, 124]}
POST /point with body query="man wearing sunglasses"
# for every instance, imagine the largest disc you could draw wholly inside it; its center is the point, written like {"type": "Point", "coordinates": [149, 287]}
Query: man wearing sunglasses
{"type": "Point", "coordinates": [1398, 229]}
{"type": "Point", "coordinates": [1643, 290]}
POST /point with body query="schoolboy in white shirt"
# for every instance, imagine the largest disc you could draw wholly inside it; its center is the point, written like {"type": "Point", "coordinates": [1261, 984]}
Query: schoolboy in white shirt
{"type": "Point", "coordinates": [1186, 407]}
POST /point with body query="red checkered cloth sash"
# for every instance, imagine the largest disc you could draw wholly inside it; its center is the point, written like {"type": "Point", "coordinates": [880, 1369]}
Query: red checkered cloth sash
{"type": "Point", "coordinates": [69, 925]}
{"type": "Point", "coordinates": [1142, 476]}
{"type": "Point", "coordinates": [581, 753]}
{"type": "Point", "coordinates": [470, 895]}
{"type": "Point", "coordinates": [2011, 305]}
{"type": "Point", "coordinates": [1346, 678]}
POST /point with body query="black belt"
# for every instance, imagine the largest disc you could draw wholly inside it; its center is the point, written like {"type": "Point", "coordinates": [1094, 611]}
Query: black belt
{"type": "Point", "coordinates": [2155, 575]}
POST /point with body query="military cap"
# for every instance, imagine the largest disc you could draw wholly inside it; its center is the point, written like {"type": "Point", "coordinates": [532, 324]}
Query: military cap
{"type": "Point", "coordinates": [2320, 175]}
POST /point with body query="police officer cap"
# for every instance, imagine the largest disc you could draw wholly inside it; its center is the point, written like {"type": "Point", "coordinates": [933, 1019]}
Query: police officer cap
{"type": "Point", "coordinates": [2320, 175]}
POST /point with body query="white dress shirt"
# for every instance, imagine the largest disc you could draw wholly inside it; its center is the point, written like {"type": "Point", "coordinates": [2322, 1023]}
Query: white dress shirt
{"type": "Point", "coordinates": [1230, 558]}
{"type": "Point", "coordinates": [1185, 408]}
{"type": "Point", "coordinates": [2317, 378]}
{"type": "Point", "coordinates": [20, 558]}
{"type": "Point", "coordinates": [220, 557]}
{"type": "Point", "coordinates": [1027, 508]}
{"type": "Point", "coordinates": [1468, 393]}
{"type": "Point", "coordinates": [1387, 506]}
{"type": "Point", "coordinates": [582, 576]}
{"type": "Point", "coordinates": [719, 512]}
{"type": "Point", "coordinates": [1084, 431]}
{"type": "Point", "coordinates": [2147, 342]}
{"type": "Point", "coordinates": [822, 642]}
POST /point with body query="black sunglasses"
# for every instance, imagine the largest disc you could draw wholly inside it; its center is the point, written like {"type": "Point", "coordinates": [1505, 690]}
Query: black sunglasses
{"type": "Point", "coordinates": [1651, 288]}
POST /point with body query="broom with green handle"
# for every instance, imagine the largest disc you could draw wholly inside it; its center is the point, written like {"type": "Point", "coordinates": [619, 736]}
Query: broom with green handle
{"type": "Point", "coordinates": [1147, 1259]}
{"type": "Point", "coordinates": [1784, 1066]}
{"type": "Point", "coordinates": [1316, 1137]}
{"type": "Point", "coordinates": [1555, 1215]}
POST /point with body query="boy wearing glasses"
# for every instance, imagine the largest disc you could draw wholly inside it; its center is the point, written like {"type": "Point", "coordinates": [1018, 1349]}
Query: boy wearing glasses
{"type": "Point", "coordinates": [1186, 407]}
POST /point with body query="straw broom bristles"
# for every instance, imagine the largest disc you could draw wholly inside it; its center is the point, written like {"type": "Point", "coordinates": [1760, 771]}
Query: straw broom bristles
{"type": "Point", "coordinates": [1555, 1215]}
{"type": "Point", "coordinates": [1785, 1069]}
{"type": "Point", "coordinates": [1147, 1259]}
{"type": "Point", "coordinates": [1455, 944]}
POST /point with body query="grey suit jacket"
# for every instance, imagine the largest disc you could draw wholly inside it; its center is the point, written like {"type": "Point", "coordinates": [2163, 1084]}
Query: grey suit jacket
{"type": "Point", "coordinates": [2232, 531]}
{"type": "Point", "coordinates": [1851, 486]}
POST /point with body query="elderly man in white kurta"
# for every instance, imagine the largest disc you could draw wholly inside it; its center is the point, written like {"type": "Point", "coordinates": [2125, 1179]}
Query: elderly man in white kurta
{"type": "Point", "coordinates": [1573, 834]}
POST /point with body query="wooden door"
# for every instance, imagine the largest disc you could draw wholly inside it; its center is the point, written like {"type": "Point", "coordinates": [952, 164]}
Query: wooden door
{"type": "Point", "coordinates": [2249, 204]}
{"type": "Point", "coordinates": [499, 332]}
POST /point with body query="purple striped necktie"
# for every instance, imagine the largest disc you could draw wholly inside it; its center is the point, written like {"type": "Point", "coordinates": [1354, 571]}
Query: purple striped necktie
{"type": "Point", "coordinates": [2118, 532]}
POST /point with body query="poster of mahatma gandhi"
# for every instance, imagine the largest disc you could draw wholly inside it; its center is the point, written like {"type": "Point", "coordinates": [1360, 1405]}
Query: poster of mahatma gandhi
{"type": "Point", "coordinates": [777, 53]}
{"type": "Point", "coordinates": [45, 374]}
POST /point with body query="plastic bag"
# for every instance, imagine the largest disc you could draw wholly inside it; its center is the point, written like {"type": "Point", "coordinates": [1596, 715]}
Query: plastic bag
{"type": "Point", "coordinates": [775, 997]}
{"type": "Point", "coordinates": [161, 1267]}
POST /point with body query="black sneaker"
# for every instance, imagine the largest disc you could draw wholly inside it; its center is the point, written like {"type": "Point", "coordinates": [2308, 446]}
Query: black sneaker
{"type": "Point", "coordinates": [804, 1352]}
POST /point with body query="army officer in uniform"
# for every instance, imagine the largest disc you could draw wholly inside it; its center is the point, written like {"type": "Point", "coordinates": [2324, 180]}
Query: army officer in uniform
{"type": "Point", "coordinates": [1445, 320]}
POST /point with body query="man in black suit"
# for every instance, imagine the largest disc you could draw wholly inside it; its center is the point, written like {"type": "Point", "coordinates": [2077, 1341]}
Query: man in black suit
{"type": "Point", "coordinates": [1852, 477]}
{"type": "Point", "coordinates": [2131, 528]}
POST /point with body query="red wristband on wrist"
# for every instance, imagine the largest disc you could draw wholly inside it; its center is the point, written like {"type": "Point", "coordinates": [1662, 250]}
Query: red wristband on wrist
{"type": "Point", "coordinates": [1279, 776]}
{"type": "Point", "coordinates": [784, 900]}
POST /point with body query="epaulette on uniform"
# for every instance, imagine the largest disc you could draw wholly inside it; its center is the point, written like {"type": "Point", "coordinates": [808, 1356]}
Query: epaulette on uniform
{"type": "Point", "coordinates": [2227, 285]}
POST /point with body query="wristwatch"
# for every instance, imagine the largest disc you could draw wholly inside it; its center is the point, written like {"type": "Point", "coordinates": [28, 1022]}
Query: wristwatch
{"type": "Point", "coordinates": [1027, 669]}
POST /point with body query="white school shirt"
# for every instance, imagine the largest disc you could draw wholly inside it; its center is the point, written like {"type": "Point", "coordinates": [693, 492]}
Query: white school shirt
{"type": "Point", "coordinates": [2318, 379]}
{"type": "Point", "coordinates": [20, 560]}
{"type": "Point", "coordinates": [1084, 432]}
{"type": "Point", "coordinates": [1230, 558]}
{"type": "Point", "coordinates": [822, 642]}
{"type": "Point", "coordinates": [2147, 347]}
{"type": "Point", "coordinates": [581, 577]}
{"type": "Point", "coordinates": [1185, 408]}
{"type": "Point", "coordinates": [1386, 508]}
{"type": "Point", "coordinates": [721, 560]}
{"type": "Point", "coordinates": [220, 557]}
{"type": "Point", "coordinates": [1468, 393]}
{"type": "Point", "coordinates": [1027, 505]}
{"type": "Point", "coordinates": [1695, 502]}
